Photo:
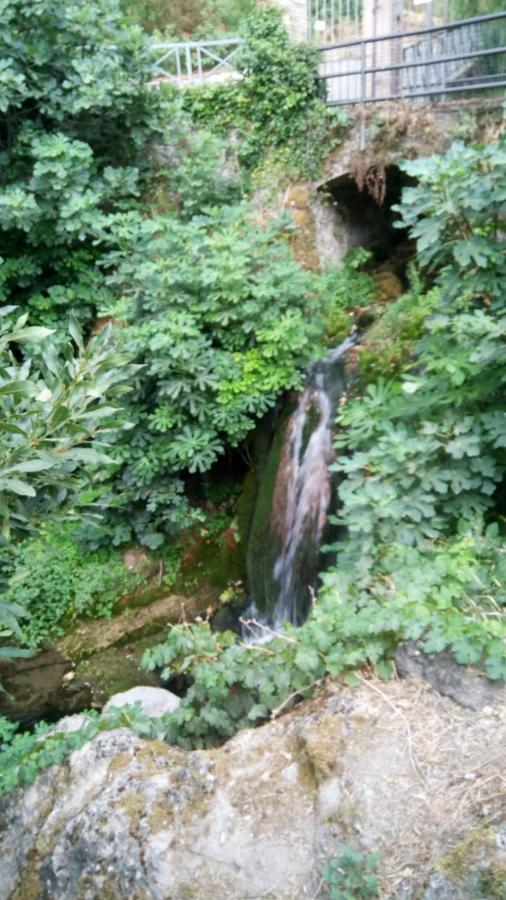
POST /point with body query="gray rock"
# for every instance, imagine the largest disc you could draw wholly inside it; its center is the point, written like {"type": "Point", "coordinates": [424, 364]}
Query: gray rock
{"type": "Point", "coordinates": [441, 888]}
{"type": "Point", "coordinates": [467, 687]}
{"type": "Point", "coordinates": [155, 702]}
{"type": "Point", "coordinates": [473, 869]}
{"type": "Point", "coordinates": [131, 819]}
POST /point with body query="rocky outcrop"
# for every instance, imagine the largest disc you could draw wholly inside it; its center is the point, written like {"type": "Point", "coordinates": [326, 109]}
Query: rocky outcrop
{"type": "Point", "coordinates": [392, 767]}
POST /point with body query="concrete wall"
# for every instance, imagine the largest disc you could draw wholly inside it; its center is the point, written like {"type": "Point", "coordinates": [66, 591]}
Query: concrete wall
{"type": "Point", "coordinates": [295, 15]}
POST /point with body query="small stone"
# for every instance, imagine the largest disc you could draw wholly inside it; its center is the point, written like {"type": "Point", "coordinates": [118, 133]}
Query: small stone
{"type": "Point", "coordinates": [155, 702]}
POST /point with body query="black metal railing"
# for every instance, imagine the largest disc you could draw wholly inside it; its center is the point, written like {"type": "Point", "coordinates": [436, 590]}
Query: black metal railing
{"type": "Point", "coordinates": [459, 57]}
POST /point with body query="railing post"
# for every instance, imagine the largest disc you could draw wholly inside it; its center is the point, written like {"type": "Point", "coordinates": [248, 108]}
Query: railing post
{"type": "Point", "coordinates": [363, 62]}
{"type": "Point", "coordinates": [189, 67]}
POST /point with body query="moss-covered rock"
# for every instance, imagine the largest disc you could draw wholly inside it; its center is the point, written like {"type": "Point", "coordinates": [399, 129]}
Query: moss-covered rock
{"type": "Point", "coordinates": [475, 868]}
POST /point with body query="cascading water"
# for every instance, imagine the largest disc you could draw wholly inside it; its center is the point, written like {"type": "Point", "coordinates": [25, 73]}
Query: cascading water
{"type": "Point", "coordinates": [284, 567]}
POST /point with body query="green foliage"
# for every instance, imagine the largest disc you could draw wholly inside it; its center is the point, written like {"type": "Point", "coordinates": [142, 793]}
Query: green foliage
{"type": "Point", "coordinates": [428, 448]}
{"type": "Point", "coordinates": [276, 106]}
{"type": "Point", "coordinates": [386, 346]}
{"type": "Point", "coordinates": [349, 287]}
{"type": "Point", "coordinates": [213, 305]}
{"type": "Point", "coordinates": [456, 213]}
{"type": "Point", "coordinates": [216, 311]}
{"type": "Point", "coordinates": [443, 596]}
{"type": "Point", "coordinates": [72, 143]}
{"type": "Point", "coordinates": [23, 756]}
{"type": "Point", "coordinates": [51, 412]}
{"type": "Point", "coordinates": [56, 584]}
{"type": "Point", "coordinates": [424, 453]}
{"type": "Point", "coordinates": [352, 875]}
{"type": "Point", "coordinates": [449, 596]}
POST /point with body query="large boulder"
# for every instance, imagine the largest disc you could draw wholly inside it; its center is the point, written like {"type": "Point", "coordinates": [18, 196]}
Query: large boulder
{"type": "Point", "coordinates": [393, 768]}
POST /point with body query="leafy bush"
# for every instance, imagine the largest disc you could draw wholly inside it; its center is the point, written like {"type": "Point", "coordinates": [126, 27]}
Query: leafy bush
{"type": "Point", "coordinates": [75, 124]}
{"type": "Point", "coordinates": [443, 596]}
{"type": "Point", "coordinates": [426, 451]}
{"type": "Point", "coordinates": [56, 585]}
{"type": "Point", "coordinates": [51, 411]}
{"type": "Point", "coordinates": [24, 755]}
{"type": "Point", "coordinates": [216, 310]}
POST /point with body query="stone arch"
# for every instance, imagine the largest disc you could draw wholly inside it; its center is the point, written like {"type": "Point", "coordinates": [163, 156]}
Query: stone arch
{"type": "Point", "coordinates": [353, 211]}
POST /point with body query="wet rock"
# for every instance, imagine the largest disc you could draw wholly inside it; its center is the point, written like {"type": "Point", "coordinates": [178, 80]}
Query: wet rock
{"type": "Point", "coordinates": [467, 687]}
{"type": "Point", "coordinates": [155, 702]}
{"type": "Point", "coordinates": [389, 767]}
{"type": "Point", "coordinates": [118, 668]}
{"type": "Point", "coordinates": [137, 559]}
{"type": "Point", "coordinates": [40, 687]}
{"type": "Point", "coordinates": [93, 637]}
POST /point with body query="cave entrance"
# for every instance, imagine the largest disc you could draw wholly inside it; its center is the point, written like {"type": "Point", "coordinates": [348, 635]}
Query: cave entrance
{"type": "Point", "coordinates": [357, 211]}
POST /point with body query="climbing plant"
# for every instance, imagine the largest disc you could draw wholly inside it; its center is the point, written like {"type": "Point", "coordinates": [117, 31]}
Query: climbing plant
{"type": "Point", "coordinates": [276, 107]}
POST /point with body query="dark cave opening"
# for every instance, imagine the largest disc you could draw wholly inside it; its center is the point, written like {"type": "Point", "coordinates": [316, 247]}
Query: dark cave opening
{"type": "Point", "coordinates": [363, 215]}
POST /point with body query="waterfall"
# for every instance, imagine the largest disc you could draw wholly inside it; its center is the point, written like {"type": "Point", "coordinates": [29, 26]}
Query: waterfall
{"type": "Point", "coordinates": [288, 558]}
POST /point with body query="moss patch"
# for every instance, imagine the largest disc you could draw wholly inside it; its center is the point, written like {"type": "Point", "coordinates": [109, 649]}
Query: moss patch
{"type": "Point", "coordinates": [479, 863]}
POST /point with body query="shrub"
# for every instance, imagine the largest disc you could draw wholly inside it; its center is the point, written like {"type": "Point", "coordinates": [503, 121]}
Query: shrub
{"type": "Point", "coordinates": [56, 585]}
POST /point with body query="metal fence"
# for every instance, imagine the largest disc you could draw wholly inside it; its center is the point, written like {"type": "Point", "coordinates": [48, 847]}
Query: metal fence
{"type": "Point", "coordinates": [334, 20]}
{"type": "Point", "coordinates": [462, 56]}
{"type": "Point", "coordinates": [196, 62]}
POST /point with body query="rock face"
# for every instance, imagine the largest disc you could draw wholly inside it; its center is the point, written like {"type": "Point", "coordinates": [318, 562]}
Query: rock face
{"type": "Point", "coordinates": [466, 686]}
{"type": "Point", "coordinates": [41, 686]}
{"type": "Point", "coordinates": [389, 767]}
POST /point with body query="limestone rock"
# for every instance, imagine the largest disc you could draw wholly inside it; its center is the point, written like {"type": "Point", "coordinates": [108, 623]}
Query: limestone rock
{"type": "Point", "coordinates": [155, 702]}
{"type": "Point", "coordinates": [388, 767]}
{"type": "Point", "coordinates": [467, 687]}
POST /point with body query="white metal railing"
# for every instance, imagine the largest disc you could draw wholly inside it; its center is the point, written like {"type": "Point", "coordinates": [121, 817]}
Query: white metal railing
{"type": "Point", "coordinates": [196, 62]}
